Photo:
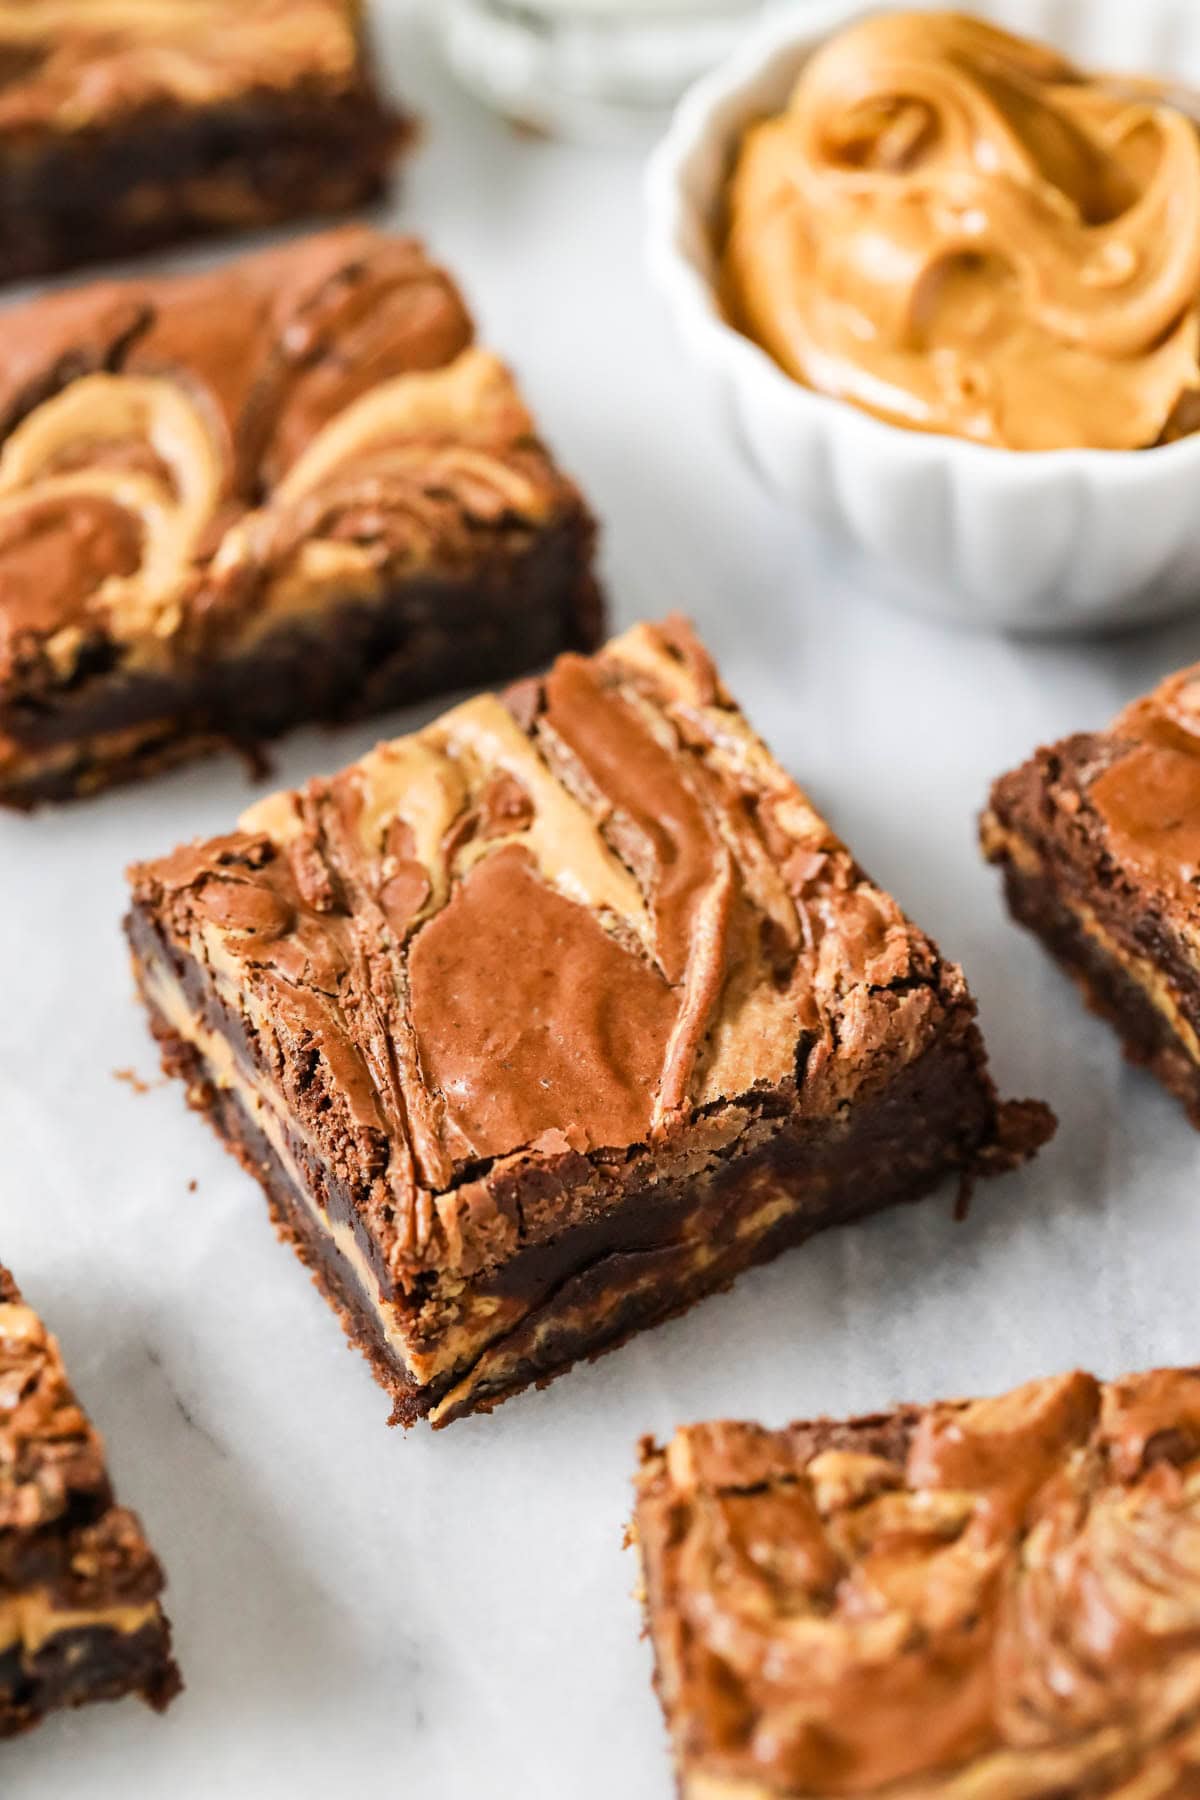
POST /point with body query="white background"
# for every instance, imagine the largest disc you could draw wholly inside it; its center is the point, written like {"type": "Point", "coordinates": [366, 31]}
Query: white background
{"type": "Point", "coordinates": [449, 1615]}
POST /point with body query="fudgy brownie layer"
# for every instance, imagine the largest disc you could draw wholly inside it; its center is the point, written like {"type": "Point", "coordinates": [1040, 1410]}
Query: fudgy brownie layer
{"type": "Point", "coordinates": [663, 1249]}
{"type": "Point", "coordinates": [83, 1664]}
{"type": "Point", "coordinates": [1108, 985]}
{"type": "Point", "coordinates": [80, 1612]}
{"type": "Point", "coordinates": [1114, 930]}
{"type": "Point", "coordinates": [424, 637]}
{"type": "Point", "coordinates": [172, 174]}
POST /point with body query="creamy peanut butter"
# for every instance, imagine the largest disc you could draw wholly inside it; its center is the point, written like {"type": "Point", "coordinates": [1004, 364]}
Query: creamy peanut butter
{"type": "Point", "coordinates": [31, 1620]}
{"type": "Point", "coordinates": [961, 232]}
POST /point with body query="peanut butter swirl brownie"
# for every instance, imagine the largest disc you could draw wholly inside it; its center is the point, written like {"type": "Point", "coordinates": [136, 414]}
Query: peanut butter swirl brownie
{"type": "Point", "coordinates": [986, 1600]}
{"type": "Point", "coordinates": [1099, 841]}
{"type": "Point", "coordinates": [125, 124]}
{"type": "Point", "coordinates": [290, 489]}
{"type": "Point", "coordinates": [80, 1618]}
{"type": "Point", "coordinates": [546, 1021]}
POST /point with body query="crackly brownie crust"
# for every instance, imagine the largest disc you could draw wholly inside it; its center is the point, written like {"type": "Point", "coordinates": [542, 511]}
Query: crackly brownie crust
{"type": "Point", "coordinates": [633, 1266]}
{"type": "Point", "coordinates": [292, 489]}
{"type": "Point", "coordinates": [80, 1618]}
{"type": "Point", "coordinates": [972, 1599]}
{"type": "Point", "coordinates": [547, 1021]}
{"type": "Point", "coordinates": [125, 126]}
{"type": "Point", "coordinates": [1097, 838]}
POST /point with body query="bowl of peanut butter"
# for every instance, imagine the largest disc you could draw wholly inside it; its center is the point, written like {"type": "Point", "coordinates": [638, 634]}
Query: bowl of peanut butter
{"type": "Point", "coordinates": [944, 276]}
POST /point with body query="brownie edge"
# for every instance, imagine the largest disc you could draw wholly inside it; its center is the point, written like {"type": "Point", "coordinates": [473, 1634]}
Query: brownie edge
{"type": "Point", "coordinates": [80, 1618]}
{"type": "Point", "coordinates": [1098, 841]}
{"type": "Point", "coordinates": [300, 493]}
{"type": "Point", "coordinates": [126, 129]}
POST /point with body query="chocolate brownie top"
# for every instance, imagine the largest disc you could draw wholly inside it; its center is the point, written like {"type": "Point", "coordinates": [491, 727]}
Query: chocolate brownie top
{"type": "Point", "coordinates": [69, 65]}
{"type": "Point", "coordinates": [188, 461]}
{"type": "Point", "coordinates": [990, 1598]}
{"type": "Point", "coordinates": [589, 915]}
{"type": "Point", "coordinates": [51, 1461]}
{"type": "Point", "coordinates": [1149, 794]}
{"type": "Point", "coordinates": [1129, 798]}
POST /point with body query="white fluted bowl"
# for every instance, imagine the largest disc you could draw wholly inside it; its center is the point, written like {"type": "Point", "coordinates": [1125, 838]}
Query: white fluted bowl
{"type": "Point", "coordinates": [1055, 541]}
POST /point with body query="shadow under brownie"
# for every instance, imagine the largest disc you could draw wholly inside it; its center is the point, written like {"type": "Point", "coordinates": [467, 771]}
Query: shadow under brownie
{"type": "Point", "coordinates": [80, 1618]}
{"type": "Point", "coordinates": [541, 1024]}
{"type": "Point", "coordinates": [986, 1600]}
{"type": "Point", "coordinates": [125, 125]}
{"type": "Point", "coordinates": [291, 489]}
{"type": "Point", "coordinates": [1098, 838]}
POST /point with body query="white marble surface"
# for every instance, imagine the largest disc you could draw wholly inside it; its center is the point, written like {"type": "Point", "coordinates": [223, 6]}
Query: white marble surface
{"type": "Point", "coordinates": [449, 1616]}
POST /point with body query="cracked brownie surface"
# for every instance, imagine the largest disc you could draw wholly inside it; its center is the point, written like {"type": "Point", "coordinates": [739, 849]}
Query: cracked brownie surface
{"type": "Point", "coordinates": [541, 1023]}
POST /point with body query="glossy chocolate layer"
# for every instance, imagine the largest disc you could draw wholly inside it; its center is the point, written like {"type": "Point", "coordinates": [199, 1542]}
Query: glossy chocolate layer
{"type": "Point", "coordinates": [79, 1587]}
{"type": "Point", "coordinates": [985, 1599]}
{"type": "Point", "coordinates": [201, 470]}
{"type": "Point", "coordinates": [543, 965]}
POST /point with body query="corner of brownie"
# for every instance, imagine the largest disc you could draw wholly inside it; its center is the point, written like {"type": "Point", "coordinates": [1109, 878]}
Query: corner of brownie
{"type": "Point", "coordinates": [542, 1023]}
{"type": "Point", "coordinates": [289, 490]}
{"type": "Point", "coordinates": [126, 127]}
{"type": "Point", "coordinates": [1098, 838]}
{"type": "Point", "coordinates": [80, 1618]}
{"type": "Point", "coordinates": [989, 1598]}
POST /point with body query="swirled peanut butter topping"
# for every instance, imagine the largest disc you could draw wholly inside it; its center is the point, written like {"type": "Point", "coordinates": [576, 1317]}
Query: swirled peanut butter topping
{"type": "Point", "coordinates": [573, 915]}
{"type": "Point", "coordinates": [248, 446]}
{"type": "Point", "coordinates": [997, 1600]}
{"type": "Point", "coordinates": [962, 232]}
{"type": "Point", "coordinates": [1148, 791]}
{"type": "Point", "coordinates": [68, 63]}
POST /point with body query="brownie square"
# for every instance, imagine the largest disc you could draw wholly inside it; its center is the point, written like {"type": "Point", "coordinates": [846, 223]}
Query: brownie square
{"type": "Point", "coordinates": [987, 1600]}
{"type": "Point", "coordinates": [125, 125]}
{"type": "Point", "coordinates": [1099, 841]}
{"type": "Point", "coordinates": [544, 1022]}
{"type": "Point", "coordinates": [290, 489]}
{"type": "Point", "coordinates": [80, 1618]}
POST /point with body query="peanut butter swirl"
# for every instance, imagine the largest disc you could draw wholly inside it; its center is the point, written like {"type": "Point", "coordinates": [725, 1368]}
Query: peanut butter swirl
{"type": "Point", "coordinates": [558, 924]}
{"type": "Point", "coordinates": [189, 462]}
{"type": "Point", "coordinates": [962, 232]}
{"type": "Point", "coordinates": [67, 64]}
{"type": "Point", "coordinates": [994, 1600]}
{"type": "Point", "coordinates": [1148, 791]}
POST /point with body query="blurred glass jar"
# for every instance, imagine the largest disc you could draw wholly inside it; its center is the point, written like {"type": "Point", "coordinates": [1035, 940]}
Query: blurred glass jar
{"type": "Point", "coordinates": [588, 68]}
